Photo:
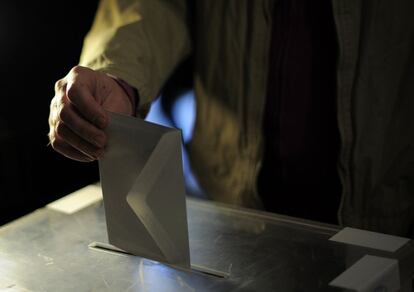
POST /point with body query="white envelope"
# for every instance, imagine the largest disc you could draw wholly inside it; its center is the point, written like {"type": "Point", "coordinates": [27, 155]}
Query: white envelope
{"type": "Point", "coordinates": [143, 190]}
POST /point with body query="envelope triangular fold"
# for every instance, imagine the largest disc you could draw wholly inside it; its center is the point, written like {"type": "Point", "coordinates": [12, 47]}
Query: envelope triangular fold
{"type": "Point", "coordinates": [143, 189]}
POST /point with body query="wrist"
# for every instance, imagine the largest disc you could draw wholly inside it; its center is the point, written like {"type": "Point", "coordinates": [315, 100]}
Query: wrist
{"type": "Point", "coordinates": [130, 91]}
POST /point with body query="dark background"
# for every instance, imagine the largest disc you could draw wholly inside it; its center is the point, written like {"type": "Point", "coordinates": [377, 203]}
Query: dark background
{"type": "Point", "coordinates": [40, 42]}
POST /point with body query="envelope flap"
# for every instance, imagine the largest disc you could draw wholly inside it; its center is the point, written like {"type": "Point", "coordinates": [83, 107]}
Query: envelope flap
{"type": "Point", "coordinates": [143, 189]}
{"type": "Point", "coordinates": [158, 199]}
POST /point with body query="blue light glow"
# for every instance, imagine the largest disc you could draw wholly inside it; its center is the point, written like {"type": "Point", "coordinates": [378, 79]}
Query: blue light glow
{"type": "Point", "coordinates": [183, 113]}
{"type": "Point", "coordinates": [157, 115]}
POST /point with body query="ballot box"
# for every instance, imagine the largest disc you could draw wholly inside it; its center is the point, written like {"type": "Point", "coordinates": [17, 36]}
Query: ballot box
{"type": "Point", "coordinates": [61, 247]}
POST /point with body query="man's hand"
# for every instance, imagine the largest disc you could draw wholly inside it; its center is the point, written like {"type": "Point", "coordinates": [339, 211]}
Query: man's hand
{"type": "Point", "coordinates": [77, 116]}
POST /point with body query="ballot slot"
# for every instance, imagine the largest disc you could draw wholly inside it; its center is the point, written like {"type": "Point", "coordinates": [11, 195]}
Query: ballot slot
{"type": "Point", "coordinates": [205, 271]}
{"type": "Point", "coordinates": [144, 194]}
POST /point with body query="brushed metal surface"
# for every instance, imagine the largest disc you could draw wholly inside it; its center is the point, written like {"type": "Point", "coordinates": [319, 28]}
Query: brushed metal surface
{"type": "Point", "coordinates": [48, 251]}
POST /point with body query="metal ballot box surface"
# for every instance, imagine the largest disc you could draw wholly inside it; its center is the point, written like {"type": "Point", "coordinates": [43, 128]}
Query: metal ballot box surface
{"type": "Point", "coordinates": [47, 250]}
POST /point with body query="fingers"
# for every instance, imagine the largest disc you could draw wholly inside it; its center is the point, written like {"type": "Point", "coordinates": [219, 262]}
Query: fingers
{"type": "Point", "coordinates": [76, 124]}
{"type": "Point", "coordinates": [68, 143]}
{"type": "Point", "coordinates": [70, 118]}
{"type": "Point", "coordinates": [81, 82]}
{"type": "Point", "coordinates": [67, 150]}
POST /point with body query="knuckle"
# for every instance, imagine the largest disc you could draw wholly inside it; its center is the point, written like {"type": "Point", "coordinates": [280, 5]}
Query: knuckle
{"type": "Point", "coordinates": [76, 70]}
{"type": "Point", "coordinates": [75, 90]}
{"type": "Point", "coordinates": [54, 116]}
{"type": "Point", "coordinates": [55, 142]}
{"type": "Point", "coordinates": [51, 121]}
{"type": "Point", "coordinates": [56, 100]}
{"type": "Point", "coordinates": [60, 85]}
{"type": "Point", "coordinates": [72, 91]}
{"type": "Point", "coordinates": [60, 130]}
{"type": "Point", "coordinates": [63, 114]}
{"type": "Point", "coordinates": [53, 103]}
{"type": "Point", "coordinates": [51, 136]}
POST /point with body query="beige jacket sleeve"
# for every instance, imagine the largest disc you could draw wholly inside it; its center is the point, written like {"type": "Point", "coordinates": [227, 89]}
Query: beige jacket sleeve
{"type": "Point", "coordinates": [139, 41]}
